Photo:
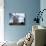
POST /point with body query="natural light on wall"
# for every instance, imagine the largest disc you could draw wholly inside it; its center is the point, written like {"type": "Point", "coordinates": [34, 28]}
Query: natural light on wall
{"type": "Point", "coordinates": [1, 20]}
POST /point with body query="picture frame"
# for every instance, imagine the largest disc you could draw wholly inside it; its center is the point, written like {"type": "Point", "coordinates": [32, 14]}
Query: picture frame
{"type": "Point", "coordinates": [16, 18]}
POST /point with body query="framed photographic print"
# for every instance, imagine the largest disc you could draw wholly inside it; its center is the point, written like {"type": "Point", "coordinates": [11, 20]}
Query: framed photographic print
{"type": "Point", "coordinates": [16, 18]}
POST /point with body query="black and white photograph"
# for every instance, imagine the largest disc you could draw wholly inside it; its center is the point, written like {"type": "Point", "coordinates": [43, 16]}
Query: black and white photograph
{"type": "Point", "coordinates": [16, 19]}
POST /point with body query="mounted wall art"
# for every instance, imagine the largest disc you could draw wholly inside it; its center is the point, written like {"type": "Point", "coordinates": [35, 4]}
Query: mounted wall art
{"type": "Point", "coordinates": [16, 18]}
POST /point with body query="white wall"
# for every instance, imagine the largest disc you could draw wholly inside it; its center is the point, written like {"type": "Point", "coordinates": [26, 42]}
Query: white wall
{"type": "Point", "coordinates": [43, 6]}
{"type": "Point", "coordinates": [1, 20]}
